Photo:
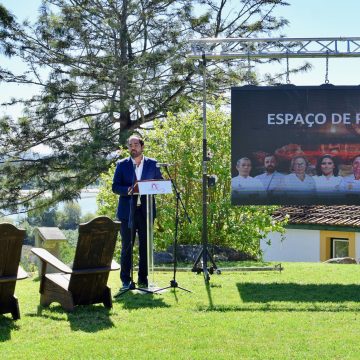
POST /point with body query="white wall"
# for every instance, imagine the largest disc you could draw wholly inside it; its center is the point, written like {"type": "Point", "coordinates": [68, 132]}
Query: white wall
{"type": "Point", "coordinates": [298, 245]}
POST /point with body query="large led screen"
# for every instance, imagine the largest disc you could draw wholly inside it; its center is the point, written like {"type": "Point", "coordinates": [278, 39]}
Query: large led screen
{"type": "Point", "coordinates": [295, 145]}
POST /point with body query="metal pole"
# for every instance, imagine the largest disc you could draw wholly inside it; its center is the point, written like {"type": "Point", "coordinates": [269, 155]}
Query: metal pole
{"type": "Point", "coordinates": [204, 177]}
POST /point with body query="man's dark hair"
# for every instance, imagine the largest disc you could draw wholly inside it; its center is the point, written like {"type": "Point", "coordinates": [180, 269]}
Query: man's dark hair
{"type": "Point", "coordinates": [141, 141]}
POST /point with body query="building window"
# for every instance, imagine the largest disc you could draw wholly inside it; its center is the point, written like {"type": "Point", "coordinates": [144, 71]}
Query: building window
{"type": "Point", "coordinates": [344, 240]}
{"type": "Point", "coordinates": [339, 247]}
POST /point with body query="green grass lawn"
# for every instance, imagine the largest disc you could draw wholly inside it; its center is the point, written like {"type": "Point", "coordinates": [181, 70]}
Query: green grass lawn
{"type": "Point", "coordinates": [308, 311]}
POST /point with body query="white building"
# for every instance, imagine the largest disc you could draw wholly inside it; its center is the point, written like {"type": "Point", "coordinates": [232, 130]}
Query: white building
{"type": "Point", "coordinates": [315, 233]}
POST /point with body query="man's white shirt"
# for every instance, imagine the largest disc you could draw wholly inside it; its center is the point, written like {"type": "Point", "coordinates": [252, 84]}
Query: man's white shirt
{"type": "Point", "coordinates": [272, 182]}
{"type": "Point", "coordinates": [349, 184]}
{"type": "Point", "coordinates": [247, 185]}
{"type": "Point", "coordinates": [294, 185]}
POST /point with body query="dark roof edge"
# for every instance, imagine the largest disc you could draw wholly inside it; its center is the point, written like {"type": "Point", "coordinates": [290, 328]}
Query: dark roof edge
{"type": "Point", "coordinates": [322, 227]}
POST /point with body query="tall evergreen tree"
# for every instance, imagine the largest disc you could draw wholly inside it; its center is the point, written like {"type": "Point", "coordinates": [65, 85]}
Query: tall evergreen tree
{"type": "Point", "coordinates": [99, 68]}
{"type": "Point", "coordinates": [7, 21]}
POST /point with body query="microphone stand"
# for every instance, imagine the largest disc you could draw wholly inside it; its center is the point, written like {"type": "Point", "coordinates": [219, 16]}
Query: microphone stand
{"type": "Point", "coordinates": [132, 285]}
{"type": "Point", "coordinates": [173, 283]}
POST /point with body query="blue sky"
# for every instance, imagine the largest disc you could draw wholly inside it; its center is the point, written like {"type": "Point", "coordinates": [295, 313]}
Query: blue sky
{"type": "Point", "coordinates": [325, 18]}
{"type": "Point", "coordinates": [308, 18]}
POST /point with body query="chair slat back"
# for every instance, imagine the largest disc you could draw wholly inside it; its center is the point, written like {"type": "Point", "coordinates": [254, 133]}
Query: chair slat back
{"type": "Point", "coordinates": [95, 249]}
{"type": "Point", "coordinates": [11, 240]}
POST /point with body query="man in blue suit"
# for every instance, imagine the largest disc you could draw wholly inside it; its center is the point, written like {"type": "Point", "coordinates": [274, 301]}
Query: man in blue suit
{"type": "Point", "coordinates": [128, 171]}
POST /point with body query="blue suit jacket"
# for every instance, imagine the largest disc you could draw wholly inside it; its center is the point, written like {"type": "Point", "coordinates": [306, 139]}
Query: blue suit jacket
{"type": "Point", "coordinates": [123, 179]}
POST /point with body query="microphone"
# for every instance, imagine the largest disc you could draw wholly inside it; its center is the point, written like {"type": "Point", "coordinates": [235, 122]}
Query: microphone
{"type": "Point", "coordinates": [158, 165]}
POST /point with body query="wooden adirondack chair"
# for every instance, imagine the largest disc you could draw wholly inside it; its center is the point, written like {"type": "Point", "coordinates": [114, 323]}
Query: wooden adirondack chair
{"type": "Point", "coordinates": [86, 282]}
{"type": "Point", "coordinates": [11, 240]}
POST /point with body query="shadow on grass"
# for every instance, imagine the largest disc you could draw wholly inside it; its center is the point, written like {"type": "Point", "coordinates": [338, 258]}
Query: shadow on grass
{"type": "Point", "coordinates": [133, 301]}
{"type": "Point", "coordinates": [90, 318]}
{"type": "Point", "coordinates": [326, 307]}
{"type": "Point", "coordinates": [87, 318]}
{"type": "Point", "coordinates": [292, 297]}
{"type": "Point", "coordinates": [292, 292]}
{"type": "Point", "coordinates": [209, 295]}
{"type": "Point", "coordinates": [6, 326]}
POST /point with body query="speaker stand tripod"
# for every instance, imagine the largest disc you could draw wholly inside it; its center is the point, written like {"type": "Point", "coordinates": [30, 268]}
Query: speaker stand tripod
{"type": "Point", "coordinates": [173, 283]}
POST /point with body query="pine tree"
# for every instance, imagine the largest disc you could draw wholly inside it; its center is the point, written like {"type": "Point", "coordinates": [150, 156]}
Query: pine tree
{"type": "Point", "coordinates": [100, 68]}
{"type": "Point", "coordinates": [7, 21]}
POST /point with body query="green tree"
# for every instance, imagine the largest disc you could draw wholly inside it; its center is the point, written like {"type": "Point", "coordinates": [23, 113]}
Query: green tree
{"type": "Point", "coordinates": [102, 67]}
{"type": "Point", "coordinates": [45, 216]}
{"type": "Point", "coordinates": [177, 140]}
{"type": "Point", "coordinates": [69, 218]}
{"type": "Point", "coordinates": [42, 217]}
{"type": "Point", "coordinates": [87, 217]}
{"type": "Point", "coordinates": [7, 23]}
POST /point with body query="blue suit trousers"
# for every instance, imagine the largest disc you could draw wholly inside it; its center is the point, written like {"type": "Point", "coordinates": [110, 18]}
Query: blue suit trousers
{"type": "Point", "coordinates": [127, 247]}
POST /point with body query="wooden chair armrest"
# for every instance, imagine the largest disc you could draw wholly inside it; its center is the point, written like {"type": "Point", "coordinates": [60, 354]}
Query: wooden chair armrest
{"type": "Point", "coordinates": [21, 274]}
{"type": "Point", "coordinates": [114, 265]}
{"type": "Point", "coordinates": [45, 256]}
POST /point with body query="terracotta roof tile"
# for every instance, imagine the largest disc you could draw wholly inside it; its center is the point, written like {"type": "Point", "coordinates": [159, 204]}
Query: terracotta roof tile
{"type": "Point", "coordinates": [336, 215]}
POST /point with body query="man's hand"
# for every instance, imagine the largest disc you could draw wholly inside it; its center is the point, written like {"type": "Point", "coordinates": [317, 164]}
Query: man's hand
{"type": "Point", "coordinates": [133, 189]}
